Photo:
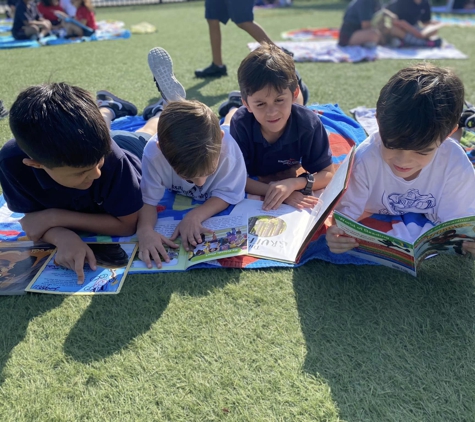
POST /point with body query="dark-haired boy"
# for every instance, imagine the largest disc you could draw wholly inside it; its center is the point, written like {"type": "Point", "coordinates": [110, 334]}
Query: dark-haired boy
{"type": "Point", "coordinates": [65, 173]}
{"type": "Point", "coordinates": [411, 164]}
{"type": "Point", "coordinates": [284, 144]}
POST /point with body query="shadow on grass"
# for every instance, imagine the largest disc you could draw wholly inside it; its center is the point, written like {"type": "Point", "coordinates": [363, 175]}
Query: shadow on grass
{"type": "Point", "coordinates": [110, 323]}
{"type": "Point", "coordinates": [16, 312]}
{"type": "Point", "coordinates": [390, 346]}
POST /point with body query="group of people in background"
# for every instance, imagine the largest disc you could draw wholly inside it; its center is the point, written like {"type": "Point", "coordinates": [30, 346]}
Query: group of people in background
{"type": "Point", "coordinates": [68, 18]}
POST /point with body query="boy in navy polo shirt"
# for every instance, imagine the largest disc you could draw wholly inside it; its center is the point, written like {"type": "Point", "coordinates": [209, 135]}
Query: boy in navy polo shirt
{"type": "Point", "coordinates": [284, 144]}
{"type": "Point", "coordinates": [65, 172]}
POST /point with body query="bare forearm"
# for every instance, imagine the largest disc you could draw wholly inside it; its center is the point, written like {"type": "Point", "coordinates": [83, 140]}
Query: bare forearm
{"type": "Point", "coordinates": [147, 218]}
{"type": "Point", "coordinates": [211, 207]}
{"type": "Point", "coordinates": [56, 234]}
{"type": "Point", "coordinates": [255, 187]}
{"type": "Point", "coordinates": [97, 223]}
{"type": "Point", "coordinates": [322, 179]}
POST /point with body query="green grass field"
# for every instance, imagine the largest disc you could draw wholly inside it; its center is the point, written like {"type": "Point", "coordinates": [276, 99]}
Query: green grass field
{"type": "Point", "coordinates": [318, 343]}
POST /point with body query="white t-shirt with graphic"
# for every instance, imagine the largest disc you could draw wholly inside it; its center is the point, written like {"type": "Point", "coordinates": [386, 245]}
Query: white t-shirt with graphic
{"type": "Point", "coordinates": [227, 182]}
{"type": "Point", "coordinates": [444, 189]}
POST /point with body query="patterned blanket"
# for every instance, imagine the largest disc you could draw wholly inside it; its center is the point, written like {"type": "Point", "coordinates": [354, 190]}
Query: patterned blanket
{"type": "Point", "coordinates": [343, 133]}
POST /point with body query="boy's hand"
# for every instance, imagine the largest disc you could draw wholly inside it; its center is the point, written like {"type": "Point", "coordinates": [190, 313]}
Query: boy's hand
{"type": "Point", "coordinates": [151, 247]}
{"type": "Point", "coordinates": [73, 253]}
{"type": "Point", "coordinates": [469, 248]}
{"type": "Point", "coordinates": [338, 241]}
{"type": "Point", "coordinates": [300, 201]}
{"type": "Point", "coordinates": [36, 224]}
{"type": "Point", "coordinates": [277, 193]}
{"type": "Point", "coordinates": [190, 229]}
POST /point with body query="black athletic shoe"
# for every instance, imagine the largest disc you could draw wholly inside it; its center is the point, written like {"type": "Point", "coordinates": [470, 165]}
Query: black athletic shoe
{"type": "Point", "coordinates": [109, 255]}
{"type": "Point", "coordinates": [467, 119]}
{"type": "Point", "coordinates": [212, 71]}
{"type": "Point", "coordinates": [3, 111]}
{"type": "Point", "coordinates": [120, 107]}
{"type": "Point", "coordinates": [151, 110]}
{"type": "Point", "coordinates": [161, 66]}
{"type": "Point", "coordinates": [234, 100]}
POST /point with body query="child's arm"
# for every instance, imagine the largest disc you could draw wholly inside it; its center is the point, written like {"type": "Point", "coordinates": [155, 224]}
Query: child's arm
{"type": "Point", "coordinates": [151, 242]}
{"type": "Point", "coordinates": [190, 228]}
{"type": "Point", "coordinates": [72, 252]}
{"type": "Point", "coordinates": [35, 224]}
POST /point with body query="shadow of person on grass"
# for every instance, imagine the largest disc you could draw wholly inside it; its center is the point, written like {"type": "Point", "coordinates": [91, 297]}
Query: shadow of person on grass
{"type": "Point", "coordinates": [16, 312]}
{"type": "Point", "coordinates": [110, 323]}
{"type": "Point", "coordinates": [389, 345]}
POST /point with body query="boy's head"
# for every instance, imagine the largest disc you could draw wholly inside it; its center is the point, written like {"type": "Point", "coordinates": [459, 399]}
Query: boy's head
{"type": "Point", "coordinates": [61, 129]}
{"type": "Point", "coordinates": [417, 110]}
{"type": "Point", "coordinates": [190, 139]}
{"type": "Point", "coordinates": [269, 86]}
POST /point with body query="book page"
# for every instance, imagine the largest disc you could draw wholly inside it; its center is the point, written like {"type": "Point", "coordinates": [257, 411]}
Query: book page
{"type": "Point", "coordinates": [445, 238]}
{"type": "Point", "coordinates": [60, 280]}
{"type": "Point", "coordinates": [377, 246]}
{"type": "Point", "coordinates": [19, 264]}
{"type": "Point", "coordinates": [275, 234]}
{"type": "Point", "coordinates": [229, 239]}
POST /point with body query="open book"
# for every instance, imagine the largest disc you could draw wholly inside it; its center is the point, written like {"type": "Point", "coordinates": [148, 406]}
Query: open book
{"type": "Point", "coordinates": [396, 253]}
{"type": "Point", "coordinates": [108, 277]}
{"type": "Point", "coordinates": [19, 263]}
{"type": "Point", "coordinates": [283, 234]}
{"type": "Point", "coordinates": [229, 238]}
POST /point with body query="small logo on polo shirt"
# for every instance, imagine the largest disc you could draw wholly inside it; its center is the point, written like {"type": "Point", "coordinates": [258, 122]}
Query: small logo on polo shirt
{"type": "Point", "coordinates": [289, 162]}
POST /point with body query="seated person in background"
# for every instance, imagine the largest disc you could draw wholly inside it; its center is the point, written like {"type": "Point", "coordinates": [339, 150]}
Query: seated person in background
{"type": "Point", "coordinates": [84, 15]}
{"type": "Point", "coordinates": [413, 19]}
{"type": "Point", "coordinates": [411, 165]}
{"type": "Point", "coordinates": [47, 9]}
{"type": "Point", "coordinates": [284, 144]}
{"type": "Point", "coordinates": [28, 22]}
{"type": "Point", "coordinates": [67, 172]}
{"type": "Point", "coordinates": [356, 28]}
{"type": "Point", "coordinates": [191, 155]}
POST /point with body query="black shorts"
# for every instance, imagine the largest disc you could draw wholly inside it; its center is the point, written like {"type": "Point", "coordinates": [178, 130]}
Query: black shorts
{"type": "Point", "coordinates": [238, 11]}
{"type": "Point", "coordinates": [133, 142]}
{"type": "Point", "coordinates": [346, 31]}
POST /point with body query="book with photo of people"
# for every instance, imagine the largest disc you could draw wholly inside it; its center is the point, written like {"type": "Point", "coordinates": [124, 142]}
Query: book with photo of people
{"type": "Point", "coordinates": [228, 239]}
{"type": "Point", "coordinates": [393, 252]}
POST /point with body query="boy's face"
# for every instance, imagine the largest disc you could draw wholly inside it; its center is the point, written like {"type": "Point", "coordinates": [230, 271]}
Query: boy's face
{"type": "Point", "coordinates": [71, 177]}
{"type": "Point", "coordinates": [271, 109]}
{"type": "Point", "coordinates": [408, 163]}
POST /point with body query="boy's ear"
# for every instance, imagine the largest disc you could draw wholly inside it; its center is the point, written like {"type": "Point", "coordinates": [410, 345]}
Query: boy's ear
{"type": "Point", "coordinates": [246, 105]}
{"type": "Point", "coordinates": [296, 93]}
{"type": "Point", "coordinates": [32, 163]}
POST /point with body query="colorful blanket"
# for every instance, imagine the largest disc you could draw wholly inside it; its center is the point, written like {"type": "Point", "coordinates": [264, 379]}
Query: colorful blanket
{"type": "Point", "coordinates": [343, 132]}
{"type": "Point", "coordinates": [448, 9]}
{"type": "Point", "coordinates": [330, 51]}
{"type": "Point", "coordinates": [455, 21]}
{"type": "Point", "coordinates": [311, 34]}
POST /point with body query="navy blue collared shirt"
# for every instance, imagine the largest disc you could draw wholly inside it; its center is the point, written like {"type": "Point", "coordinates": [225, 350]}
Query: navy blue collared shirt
{"type": "Point", "coordinates": [27, 189]}
{"type": "Point", "coordinates": [304, 142]}
{"type": "Point", "coordinates": [410, 11]}
{"type": "Point", "coordinates": [25, 12]}
{"type": "Point", "coordinates": [360, 11]}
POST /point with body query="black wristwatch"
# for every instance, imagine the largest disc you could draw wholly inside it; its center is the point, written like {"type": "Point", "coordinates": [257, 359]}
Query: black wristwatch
{"type": "Point", "coordinates": [308, 188]}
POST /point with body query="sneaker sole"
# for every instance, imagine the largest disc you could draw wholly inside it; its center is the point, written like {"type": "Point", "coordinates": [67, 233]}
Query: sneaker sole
{"type": "Point", "coordinates": [161, 66]}
{"type": "Point", "coordinates": [126, 104]}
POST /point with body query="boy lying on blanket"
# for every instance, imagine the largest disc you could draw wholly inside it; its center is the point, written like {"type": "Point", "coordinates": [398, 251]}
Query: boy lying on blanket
{"type": "Point", "coordinates": [411, 165]}
{"type": "Point", "coordinates": [190, 155]}
{"type": "Point", "coordinates": [283, 143]}
{"type": "Point", "coordinates": [66, 171]}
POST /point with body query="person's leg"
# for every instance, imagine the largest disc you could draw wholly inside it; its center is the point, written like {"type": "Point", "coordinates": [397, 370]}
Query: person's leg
{"type": "Point", "coordinates": [229, 116]}
{"type": "Point", "coordinates": [216, 11]}
{"type": "Point", "coordinates": [255, 31]}
{"type": "Point", "coordinates": [365, 36]}
{"type": "Point", "coordinates": [30, 30]}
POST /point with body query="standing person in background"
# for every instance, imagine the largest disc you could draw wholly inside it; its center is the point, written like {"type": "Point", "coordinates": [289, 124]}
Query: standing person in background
{"type": "Point", "coordinates": [240, 12]}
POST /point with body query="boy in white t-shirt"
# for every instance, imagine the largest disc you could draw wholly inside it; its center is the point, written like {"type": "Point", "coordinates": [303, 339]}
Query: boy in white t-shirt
{"type": "Point", "coordinates": [192, 156]}
{"type": "Point", "coordinates": [410, 165]}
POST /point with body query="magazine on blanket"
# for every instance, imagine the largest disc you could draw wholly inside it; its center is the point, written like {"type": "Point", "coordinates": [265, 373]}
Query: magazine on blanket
{"type": "Point", "coordinates": [396, 253]}
{"type": "Point", "coordinates": [19, 263]}
{"type": "Point", "coordinates": [229, 238]}
{"type": "Point", "coordinates": [113, 263]}
{"type": "Point", "coordinates": [284, 234]}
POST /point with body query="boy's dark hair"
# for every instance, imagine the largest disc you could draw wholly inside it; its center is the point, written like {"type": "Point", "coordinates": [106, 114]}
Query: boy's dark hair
{"type": "Point", "coordinates": [266, 66]}
{"type": "Point", "coordinates": [59, 125]}
{"type": "Point", "coordinates": [190, 138]}
{"type": "Point", "coordinates": [419, 105]}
